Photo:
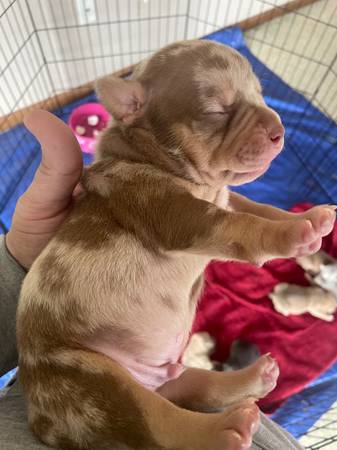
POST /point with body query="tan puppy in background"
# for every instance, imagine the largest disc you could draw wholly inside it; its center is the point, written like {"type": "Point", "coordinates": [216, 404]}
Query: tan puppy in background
{"type": "Point", "coordinates": [106, 310]}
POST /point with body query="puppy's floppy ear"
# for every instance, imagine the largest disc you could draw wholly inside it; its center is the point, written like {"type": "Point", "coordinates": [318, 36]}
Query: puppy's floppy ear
{"type": "Point", "coordinates": [124, 99]}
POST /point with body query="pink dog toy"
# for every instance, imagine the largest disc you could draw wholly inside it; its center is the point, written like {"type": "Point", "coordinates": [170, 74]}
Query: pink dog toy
{"type": "Point", "coordinates": [86, 122]}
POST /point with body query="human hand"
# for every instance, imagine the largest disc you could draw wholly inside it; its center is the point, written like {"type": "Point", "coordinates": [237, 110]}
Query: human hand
{"type": "Point", "coordinates": [47, 202]}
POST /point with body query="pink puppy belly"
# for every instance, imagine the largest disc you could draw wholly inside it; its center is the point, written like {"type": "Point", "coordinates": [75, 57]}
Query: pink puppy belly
{"type": "Point", "coordinates": [152, 372]}
{"type": "Point", "coordinates": [152, 377]}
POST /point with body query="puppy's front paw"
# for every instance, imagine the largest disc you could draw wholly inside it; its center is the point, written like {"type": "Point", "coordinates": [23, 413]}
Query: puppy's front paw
{"type": "Point", "coordinates": [303, 235]}
{"type": "Point", "coordinates": [321, 217]}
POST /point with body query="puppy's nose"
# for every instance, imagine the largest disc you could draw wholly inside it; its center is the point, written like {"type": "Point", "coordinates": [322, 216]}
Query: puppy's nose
{"type": "Point", "coordinates": [276, 133]}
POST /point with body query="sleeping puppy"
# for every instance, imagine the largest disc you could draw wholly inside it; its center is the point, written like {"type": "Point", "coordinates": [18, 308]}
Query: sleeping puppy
{"type": "Point", "coordinates": [106, 310]}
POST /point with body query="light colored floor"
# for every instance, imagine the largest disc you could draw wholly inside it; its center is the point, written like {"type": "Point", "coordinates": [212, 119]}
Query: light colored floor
{"type": "Point", "coordinates": [324, 433]}
{"type": "Point", "coordinates": [301, 48]}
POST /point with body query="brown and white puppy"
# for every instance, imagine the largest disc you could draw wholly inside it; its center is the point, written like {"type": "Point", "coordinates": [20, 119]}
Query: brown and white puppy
{"type": "Point", "coordinates": [106, 310]}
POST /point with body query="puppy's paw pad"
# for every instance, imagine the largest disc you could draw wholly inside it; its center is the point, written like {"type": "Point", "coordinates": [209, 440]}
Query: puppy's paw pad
{"type": "Point", "coordinates": [309, 249]}
{"type": "Point", "coordinates": [308, 233]}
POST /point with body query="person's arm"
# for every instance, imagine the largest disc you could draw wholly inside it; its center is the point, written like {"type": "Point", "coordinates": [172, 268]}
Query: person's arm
{"type": "Point", "coordinates": [38, 214]}
{"type": "Point", "coordinates": [11, 277]}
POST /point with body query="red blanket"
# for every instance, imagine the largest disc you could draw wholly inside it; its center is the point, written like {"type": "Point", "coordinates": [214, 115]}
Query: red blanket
{"type": "Point", "coordinates": [235, 305]}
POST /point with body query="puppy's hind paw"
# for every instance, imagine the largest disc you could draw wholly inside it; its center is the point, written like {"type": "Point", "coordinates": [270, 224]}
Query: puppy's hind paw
{"type": "Point", "coordinates": [235, 427]}
{"type": "Point", "coordinates": [261, 376]}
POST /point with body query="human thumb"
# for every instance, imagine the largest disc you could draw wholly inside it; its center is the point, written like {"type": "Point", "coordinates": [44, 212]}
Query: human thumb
{"type": "Point", "coordinates": [61, 164]}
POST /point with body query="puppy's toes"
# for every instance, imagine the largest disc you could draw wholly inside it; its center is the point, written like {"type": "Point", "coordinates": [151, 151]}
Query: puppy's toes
{"type": "Point", "coordinates": [259, 378]}
{"type": "Point", "coordinates": [322, 218]}
{"type": "Point", "coordinates": [267, 372]}
{"type": "Point", "coordinates": [300, 238]}
{"type": "Point", "coordinates": [235, 427]}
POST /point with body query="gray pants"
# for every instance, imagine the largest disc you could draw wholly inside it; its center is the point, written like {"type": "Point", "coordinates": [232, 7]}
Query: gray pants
{"type": "Point", "coordinates": [14, 433]}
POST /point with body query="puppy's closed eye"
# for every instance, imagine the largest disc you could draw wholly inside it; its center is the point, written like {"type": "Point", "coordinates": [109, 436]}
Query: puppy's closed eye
{"type": "Point", "coordinates": [217, 115]}
{"type": "Point", "coordinates": [218, 109]}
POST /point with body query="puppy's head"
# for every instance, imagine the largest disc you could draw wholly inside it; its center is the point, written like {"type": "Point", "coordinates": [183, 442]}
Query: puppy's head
{"type": "Point", "coordinates": [203, 103]}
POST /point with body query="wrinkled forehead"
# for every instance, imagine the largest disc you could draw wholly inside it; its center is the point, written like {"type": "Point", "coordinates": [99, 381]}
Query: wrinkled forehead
{"type": "Point", "coordinates": [223, 72]}
{"type": "Point", "coordinates": [208, 65]}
